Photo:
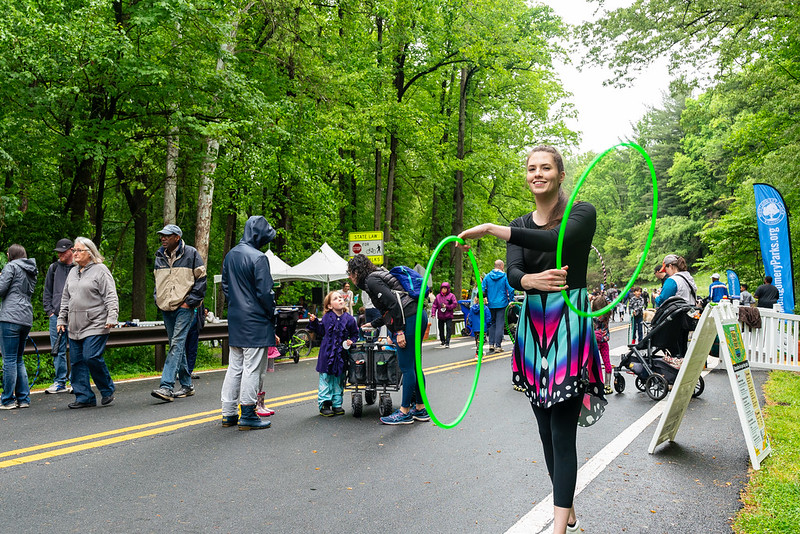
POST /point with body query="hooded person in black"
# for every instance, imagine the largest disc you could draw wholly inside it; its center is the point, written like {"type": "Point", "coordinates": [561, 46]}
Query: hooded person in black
{"type": "Point", "coordinates": [247, 285]}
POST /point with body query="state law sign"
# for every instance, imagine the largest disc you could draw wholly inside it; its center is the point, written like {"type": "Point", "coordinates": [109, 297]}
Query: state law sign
{"type": "Point", "coordinates": [369, 244]}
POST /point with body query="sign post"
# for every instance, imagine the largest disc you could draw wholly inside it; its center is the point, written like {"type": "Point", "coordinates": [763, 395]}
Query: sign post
{"type": "Point", "coordinates": [369, 244]}
{"type": "Point", "coordinates": [734, 358]}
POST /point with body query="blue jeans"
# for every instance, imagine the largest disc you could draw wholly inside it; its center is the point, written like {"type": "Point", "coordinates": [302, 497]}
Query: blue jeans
{"type": "Point", "coordinates": [87, 359]}
{"type": "Point", "coordinates": [178, 323]}
{"type": "Point", "coordinates": [496, 327]}
{"type": "Point", "coordinates": [407, 362]}
{"type": "Point", "coordinates": [331, 388]}
{"type": "Point", "coordinates": [15, 376]}
{"type": "Point", "coordinates": [59, 353]}
{"type": "Point", "coordinates": [192, 340]}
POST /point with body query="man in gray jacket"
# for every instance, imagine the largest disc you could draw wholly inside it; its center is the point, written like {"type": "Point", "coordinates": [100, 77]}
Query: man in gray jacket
{"type": "Point", "coordinates": [51, 299]}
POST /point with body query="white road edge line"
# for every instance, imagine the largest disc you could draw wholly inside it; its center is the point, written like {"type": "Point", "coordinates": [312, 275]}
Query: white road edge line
{"type": "Point", "coordinates": [538, 520]}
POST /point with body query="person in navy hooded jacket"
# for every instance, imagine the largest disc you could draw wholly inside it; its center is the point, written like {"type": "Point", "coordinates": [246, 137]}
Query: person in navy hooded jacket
{"type": "Point", "coordinates": [498, 293]}
{"type": "Point", "coordinates": [247, 284]}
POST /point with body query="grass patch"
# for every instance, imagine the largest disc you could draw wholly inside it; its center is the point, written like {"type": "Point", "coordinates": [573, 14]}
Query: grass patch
{"type": "Point", "coordinates": [772, 498]}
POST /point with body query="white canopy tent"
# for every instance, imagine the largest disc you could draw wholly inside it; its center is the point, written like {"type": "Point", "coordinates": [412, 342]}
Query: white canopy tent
{"type": "Point", "coordinates": [277, 267]}
{"type": "Point", "coordinates": [322, 266]}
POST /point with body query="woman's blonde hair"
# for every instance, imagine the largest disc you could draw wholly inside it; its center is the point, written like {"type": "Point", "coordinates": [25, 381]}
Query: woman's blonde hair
{"type": "Point", "coordinates": [91, 247]}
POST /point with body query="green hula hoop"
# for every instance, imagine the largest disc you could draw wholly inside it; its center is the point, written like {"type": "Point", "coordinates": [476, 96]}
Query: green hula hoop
{"type": "Point", "coordinates": [560, 244]}
{"type": "Point", "coordinates": [418, 336]}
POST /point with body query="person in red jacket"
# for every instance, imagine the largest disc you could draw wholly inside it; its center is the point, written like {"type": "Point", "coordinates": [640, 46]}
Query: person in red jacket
{"type": "Point", "coordinates": [443, 306]}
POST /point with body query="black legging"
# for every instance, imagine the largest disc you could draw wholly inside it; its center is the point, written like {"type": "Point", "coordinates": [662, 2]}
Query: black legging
{"type": "Point", "coordinates": [558, 426]}
{"type": "Point", "coordinates": [445, 330]}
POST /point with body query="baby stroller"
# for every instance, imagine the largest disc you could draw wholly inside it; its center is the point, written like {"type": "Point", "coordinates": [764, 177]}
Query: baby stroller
{"type": "Point", "coordinates": [294, 343]}
{"type": "Point", "coordinates": [655, 359]}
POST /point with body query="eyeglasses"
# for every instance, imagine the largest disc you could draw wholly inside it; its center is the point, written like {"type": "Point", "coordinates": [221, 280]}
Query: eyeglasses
{"type": "Point", "coordinates": [80, 250]}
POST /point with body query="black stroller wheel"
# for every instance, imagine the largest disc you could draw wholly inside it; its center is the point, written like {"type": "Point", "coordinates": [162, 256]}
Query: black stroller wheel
{"type": "Point", "coordinates": [640, 384]}
{"type": "Point", "coordinates": [369, 396]}
{"type": "Point", "coordinates": [656, 387]}
{"type": "Point", "coordinates": [619, 383]}
{"type": "Point", "coordinates": [385, 406]}
{"type": "Point", "coordinates": [358, 403]}
{"type": "Point", "coordinates": [699, 387]}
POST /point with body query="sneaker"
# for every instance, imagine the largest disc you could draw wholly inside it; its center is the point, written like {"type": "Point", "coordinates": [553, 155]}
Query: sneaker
{"type": "Point", "coordinates": [420, 415]}
{"type": "Point", "coordinates": [574, 528]}
{"type": "Point", "coordinates": [23, 405]}
{"type": "Point", "coordinates": [58, 388]}
{"type": "Point", "coordinates": [398, 418]}
{"type": "Point", "coordinates": [105, 401]}
{"type": "Point", "coordinates": [164, 394]}
{"type": "Point", "coordinates": [77, 405]}
{"type": "Point", "coordinates": [185, 391]}
{"type": "Point", "coordinates": [608, 389]}
{"type": "Point", "coordinates": [12, 406]}
{"type": "Point", "coordinates": [326, 411]}
{"type": "Point", "coordinates": [338, 410]}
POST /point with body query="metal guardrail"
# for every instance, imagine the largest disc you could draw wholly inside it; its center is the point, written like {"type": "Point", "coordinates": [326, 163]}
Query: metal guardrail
{"type": "Point", "coordinates": [137, 336]}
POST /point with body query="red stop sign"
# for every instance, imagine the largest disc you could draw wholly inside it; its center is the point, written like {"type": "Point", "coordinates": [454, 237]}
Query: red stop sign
{"type": "Point", "coordinates": [357, 248]}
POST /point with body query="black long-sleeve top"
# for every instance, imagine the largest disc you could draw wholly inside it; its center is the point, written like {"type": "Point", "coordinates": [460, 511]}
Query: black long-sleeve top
{"type": "Point", "coordinates": [532, 250]}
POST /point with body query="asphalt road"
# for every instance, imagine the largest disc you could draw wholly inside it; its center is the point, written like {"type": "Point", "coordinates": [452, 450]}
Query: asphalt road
{"type": "Point", "coordinates": [144, 466]}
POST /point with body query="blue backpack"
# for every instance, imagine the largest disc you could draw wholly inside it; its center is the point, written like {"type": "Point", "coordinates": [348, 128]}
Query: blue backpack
{"type": "Point", "coordinates": [410, 279]}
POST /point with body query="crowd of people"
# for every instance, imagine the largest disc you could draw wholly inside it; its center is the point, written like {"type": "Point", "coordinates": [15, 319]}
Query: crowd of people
{"type": "Point", "coordinates": [560, 358]}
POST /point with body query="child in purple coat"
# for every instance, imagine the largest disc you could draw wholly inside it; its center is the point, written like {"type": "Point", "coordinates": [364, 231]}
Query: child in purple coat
{"type": "Point", "coordinates": [338, 331]}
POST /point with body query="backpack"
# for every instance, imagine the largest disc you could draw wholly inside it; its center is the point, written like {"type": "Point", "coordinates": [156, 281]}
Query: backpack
{"type": "Point", "coordinates": [410, 279]}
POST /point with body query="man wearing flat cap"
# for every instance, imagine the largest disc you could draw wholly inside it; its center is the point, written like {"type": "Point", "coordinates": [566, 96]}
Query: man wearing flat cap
{"type": "Point", "coordinates": [180, 275]}
{"type": "Point", "coordinates": [51, 299]}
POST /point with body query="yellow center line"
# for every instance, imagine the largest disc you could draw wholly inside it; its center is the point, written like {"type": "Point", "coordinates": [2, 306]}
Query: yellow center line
{"type": "Point", "coordinates": [147, 429]}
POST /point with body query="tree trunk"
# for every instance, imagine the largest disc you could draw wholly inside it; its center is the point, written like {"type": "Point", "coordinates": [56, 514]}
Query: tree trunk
{"type": "Point", "coordinates": [387, 224]}
{"type": "Point", "coordinates": [171, 181]}
{"type": "Point", "coordinates": [379, 136]}
{"type": "Point", "coordinates": [458, 194]}
{"type": "Point", "coordinates": [138, 201]}
{"type": "Point", "coordinates": [205, 199]}
{"type": "Point", "coordinates": [205, 196]}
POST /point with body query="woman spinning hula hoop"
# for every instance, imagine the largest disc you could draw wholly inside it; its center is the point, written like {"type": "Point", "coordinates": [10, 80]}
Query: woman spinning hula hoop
{"type": "Point", "coordinates": [554, 352]}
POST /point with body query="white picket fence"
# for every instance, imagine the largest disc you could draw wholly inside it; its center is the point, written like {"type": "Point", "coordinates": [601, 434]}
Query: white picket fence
{"type": "Point", "coordinates": [773, 346]}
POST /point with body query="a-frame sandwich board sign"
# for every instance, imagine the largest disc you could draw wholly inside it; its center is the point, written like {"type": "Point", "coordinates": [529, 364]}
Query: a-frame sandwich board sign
{"type": "Point", "coordinates": [734, 358]}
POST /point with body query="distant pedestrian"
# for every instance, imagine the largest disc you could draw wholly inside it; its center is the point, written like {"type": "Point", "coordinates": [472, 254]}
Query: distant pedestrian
{"type": "Point", "coordinates": [348, 296]}
{"type": "Point", "coordinates": [717, 290]}
{"type": "Point", "coordinates": [54, 282]}
{"type": "Point", "coordinates": [745, 297]}
{"type": "Point", "coordinates": [338, 332]}
{"type": "Point", "coordinates": [444, 305]}
{"type": "Point", "coordinates": [89, 309]}
{"type": "Point", "coordinates": [180, 276]}
{"type": "Point", "coordinates": [498, 293]}
{"type": "Point", "coordinates": [602, 336]}
{"type": "Point", "coordinates": [247, 285]}
{"type": "Point", "coordinates": [17, 282]}
{"type": "Point", "coordinates": [767, 294]}
{"type": "Point", "coordinates": [636, 307]}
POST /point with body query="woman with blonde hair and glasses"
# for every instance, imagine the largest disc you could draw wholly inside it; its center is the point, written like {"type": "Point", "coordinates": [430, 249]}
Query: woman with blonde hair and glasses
{"type": "Point", "coordinates": [89, 307]}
